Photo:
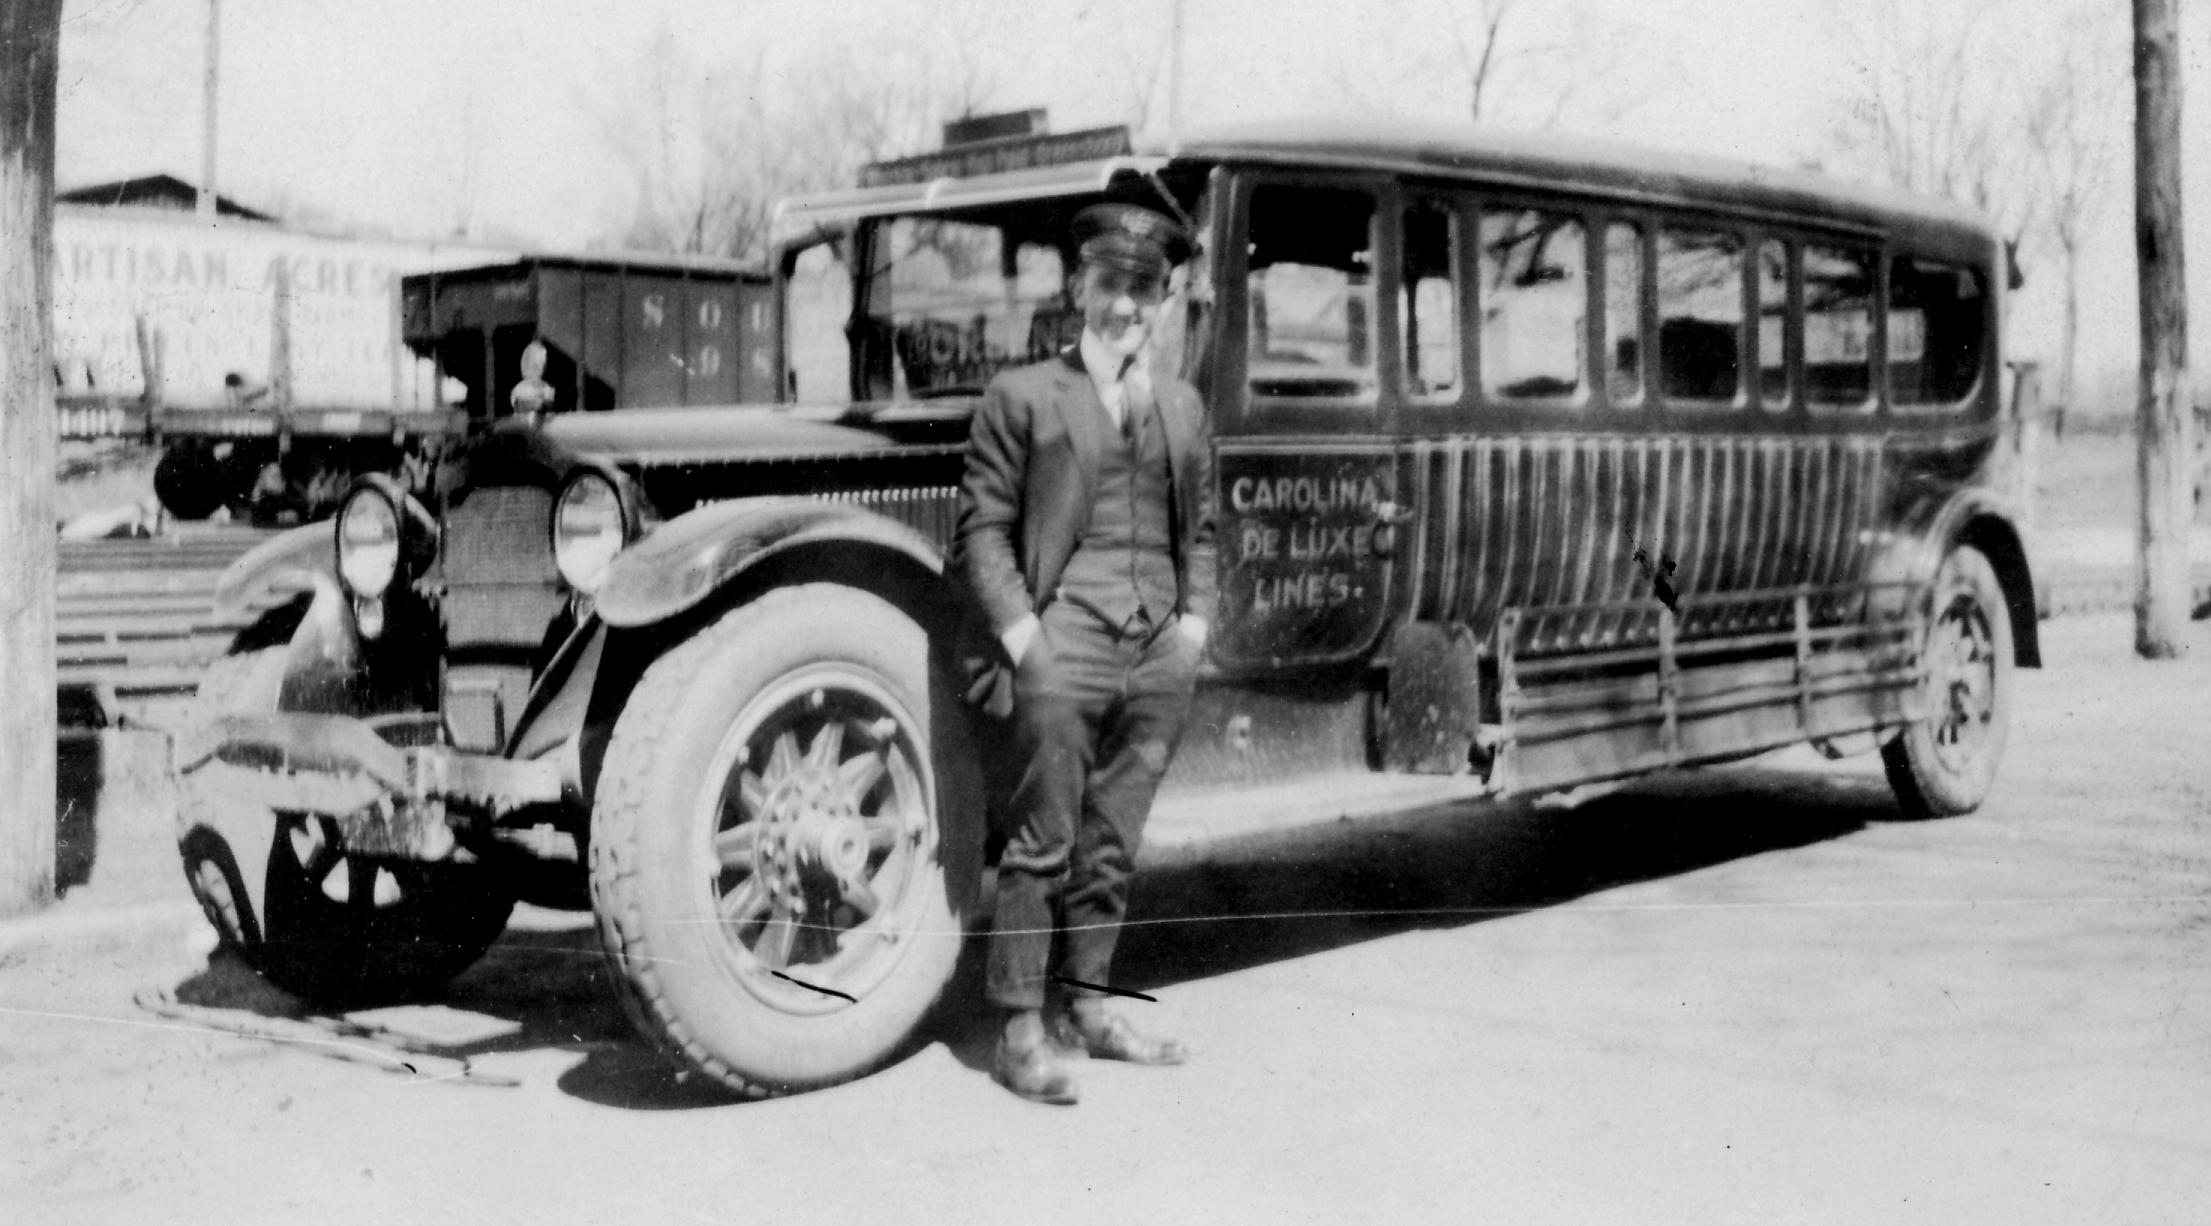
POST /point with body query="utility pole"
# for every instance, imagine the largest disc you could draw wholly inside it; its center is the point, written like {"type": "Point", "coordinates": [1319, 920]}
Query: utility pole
{"type": "Point", "coordinates": [30, 45]}
{"type": "Point", "coordinates": [208, 95]}
{"type": "Point", "coordinates": [2163, 416]}
{"type": "Point", "coordinates": [1174, 72]}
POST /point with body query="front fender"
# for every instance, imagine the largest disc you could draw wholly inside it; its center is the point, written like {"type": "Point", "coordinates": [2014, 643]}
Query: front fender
{"type": "Point", "coordinates": [330, 667]}
{"type": "Point", "coordinates": [297, 561]}
{"type": "Point", "coordinates": [289, 564]}
{"type": "Point", "coordinates": [687, 560]}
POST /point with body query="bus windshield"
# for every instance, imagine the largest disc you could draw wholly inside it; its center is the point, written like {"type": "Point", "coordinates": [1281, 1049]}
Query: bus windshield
{"type": "Point", "coordinates": [940, 306]}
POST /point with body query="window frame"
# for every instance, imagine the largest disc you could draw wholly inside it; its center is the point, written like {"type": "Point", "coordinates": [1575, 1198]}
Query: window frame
{"type": "Point", "coordinates": [1876, 399]}
{"type": "Point", "coordinates": [1965, 404]}
{"type": "Point", "coordinates": [1643, 227]}
{"type": "Point", "coordinates": [1365, 412]}
{"type": "Point", "coordinates": [1584, 397]}
{"type": "Point", "coordinates": [1394, 411]}
{"type": "Point", "coordinates": [1683, 221]}
{"type": "Point", "coordinates": [1793, 399]}
{"type": "Point", "coordinates": [1452, 204]}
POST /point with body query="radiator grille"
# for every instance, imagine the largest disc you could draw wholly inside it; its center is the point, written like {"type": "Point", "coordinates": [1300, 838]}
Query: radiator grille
{"type": "Point", "coordinates": [926, 509]}
{"type": "Point", "coordinates": [500, 536]}
{"type": "Point", "coordinates": [501, 588]}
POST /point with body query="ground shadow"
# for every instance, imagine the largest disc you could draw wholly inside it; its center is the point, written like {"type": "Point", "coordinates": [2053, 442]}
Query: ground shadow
{"type": "Point", "coordinates": [544, 987]}
{"type": "Point", "coordinates": [1274, 897]}
{"type": "Point", "coordinates": [1239, 903]}
{"type": "Point", "coordinates": [78, 770]}
{"type": "Point", "coordinates": [1322, 888]}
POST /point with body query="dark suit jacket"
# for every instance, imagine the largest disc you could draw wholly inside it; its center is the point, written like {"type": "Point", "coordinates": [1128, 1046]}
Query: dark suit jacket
{"type": "Point", "coordinates": [1032, 476]}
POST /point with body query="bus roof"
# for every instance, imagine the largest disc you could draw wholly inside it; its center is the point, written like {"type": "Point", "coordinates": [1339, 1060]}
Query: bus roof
{"type": "Point", "coordinates": [1539, 161]}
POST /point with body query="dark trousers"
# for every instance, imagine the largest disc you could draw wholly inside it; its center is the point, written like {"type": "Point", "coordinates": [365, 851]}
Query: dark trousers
{"type": "Point", "coordinates": [1096, 716]}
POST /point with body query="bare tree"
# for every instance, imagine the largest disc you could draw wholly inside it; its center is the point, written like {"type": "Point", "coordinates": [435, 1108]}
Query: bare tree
{"type": "Point", "coordinates": [960, 33]}
{"type": "Point", "coordinates": [1140, 66]}
{"type": "Point", "coordinates": [1475, 34]}
{"type": "Point", "coordinates": [1517, 63]}
{"type": "Point", "coordinates": [2069, 131]}
{"type": "Point", "coordinates": [711, 147]}
{"type": "Point", "coordinates": [30, 45]}
{"type": "Point", "coordinates": [671, 123]}
{"type": "Point", "coordinates": [1937, 113]}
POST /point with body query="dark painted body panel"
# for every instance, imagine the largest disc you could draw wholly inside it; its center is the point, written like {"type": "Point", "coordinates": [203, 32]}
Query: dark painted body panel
{"type": "Point", "coordinates": [1349, 529]}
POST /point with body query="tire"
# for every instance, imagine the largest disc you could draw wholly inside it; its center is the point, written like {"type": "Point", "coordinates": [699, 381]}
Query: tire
{"type": "Point", "coordinates": [281, 892]}
{"type": "Point", "coordinates": [800, 757]}
{"type": "Point", "coordinates": [190, 482]}
{"type": "Point", "coordinates": [1944, 764]}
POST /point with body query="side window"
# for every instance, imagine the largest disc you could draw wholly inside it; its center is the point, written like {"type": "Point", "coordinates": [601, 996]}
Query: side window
{"type": "Point", "coordinates": [1937, 331]}
{"type": "Point", "coordinates": [1700, 314]}
{"type": "Point", "coordinates": [1838, 326]}
{"type": "Point", "coordinates": [1774, 391]}
{"type": "Point", "coordinates": [1311, 292]}
{"type": "Point", "coordinates": [1535, 296]}
{"type": "Point", "coordinates": [1624, 313]}
{"type": "Point", "coordinates": [1428, 304]}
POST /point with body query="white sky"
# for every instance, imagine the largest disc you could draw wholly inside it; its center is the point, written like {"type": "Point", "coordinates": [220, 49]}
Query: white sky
{"type": "Point", "coordinates": [413, 115]}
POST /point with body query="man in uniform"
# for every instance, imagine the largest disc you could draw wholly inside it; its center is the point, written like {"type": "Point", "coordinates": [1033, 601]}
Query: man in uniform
{"type": "Point", "coordinates": [1086, 531]}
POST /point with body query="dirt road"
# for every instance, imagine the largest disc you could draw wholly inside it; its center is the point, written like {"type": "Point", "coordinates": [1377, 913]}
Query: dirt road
{"type": "Point", "coordinates": [1746, 995]}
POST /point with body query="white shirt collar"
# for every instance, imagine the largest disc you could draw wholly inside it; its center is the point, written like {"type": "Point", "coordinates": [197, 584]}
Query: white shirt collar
{"type": "Point", "coordinates": [1105, 366]}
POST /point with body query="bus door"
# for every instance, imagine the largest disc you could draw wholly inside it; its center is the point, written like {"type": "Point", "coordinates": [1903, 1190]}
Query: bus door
{"type": "Point", "coordinates": [1304, 470]}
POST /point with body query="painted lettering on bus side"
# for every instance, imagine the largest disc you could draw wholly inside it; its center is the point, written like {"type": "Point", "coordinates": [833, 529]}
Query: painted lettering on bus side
{"type": "Point", "coordinates": [1303, 590]}
{"type": "Point", "coordinates": [1303, 549]}
{"type": "Point", "coordinates": [1309, 494]}
{"type": "Point", "coordinates": [1317, 540]}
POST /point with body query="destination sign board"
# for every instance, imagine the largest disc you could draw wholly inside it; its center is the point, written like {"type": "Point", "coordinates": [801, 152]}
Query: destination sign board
{"type": "Point", "coordinates": [996, 156]}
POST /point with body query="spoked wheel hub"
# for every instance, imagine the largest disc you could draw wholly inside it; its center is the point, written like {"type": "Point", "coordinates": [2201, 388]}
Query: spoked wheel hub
{"type": "Point", "coordinates": [1944, 760]}
{"type": "Point", "coordinates": [820, 826]}
{"type": "Point", "coordinates": [1961, 667]}
{"type": "Point", "coordinates": [779, 877]}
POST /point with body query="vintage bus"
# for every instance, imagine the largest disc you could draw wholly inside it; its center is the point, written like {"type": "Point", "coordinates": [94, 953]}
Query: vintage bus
{"type": "Point", "coordinates": [1538, 463]}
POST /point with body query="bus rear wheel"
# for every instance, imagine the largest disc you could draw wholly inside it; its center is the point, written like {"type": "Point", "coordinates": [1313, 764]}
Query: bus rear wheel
{"type": "Point", "coordinates": [1944, 763]}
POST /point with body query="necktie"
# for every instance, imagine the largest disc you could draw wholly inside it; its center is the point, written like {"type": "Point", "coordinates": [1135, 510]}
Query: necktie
{"type": "Point", "coordinates": [1136, 402]}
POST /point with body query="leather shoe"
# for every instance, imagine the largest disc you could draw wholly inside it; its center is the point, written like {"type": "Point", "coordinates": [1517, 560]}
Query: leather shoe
{"type": "Point", "coordinates": [1112, 1038]}
{"type": "Point", "coordinates": [1035, 1070]}
{"type": "Point", "coordinates": [1067, 1036]}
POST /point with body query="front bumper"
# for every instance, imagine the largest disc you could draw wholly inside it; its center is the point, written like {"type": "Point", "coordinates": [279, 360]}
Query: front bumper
{"type": "Point", "coordinates": [387, 799]}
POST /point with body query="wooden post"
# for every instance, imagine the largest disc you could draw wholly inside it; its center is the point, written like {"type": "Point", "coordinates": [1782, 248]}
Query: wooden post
{"type": "Point", "coordinates": [209, 93]}
{"type": "Point", "coordinates": [30, 37]}
{"type": "Point", "coordinates": [280, 338]}
{"type": "Point", "coordinates": [2027, 416]}
{"type": "Point", "coordinates": [2165, 419]}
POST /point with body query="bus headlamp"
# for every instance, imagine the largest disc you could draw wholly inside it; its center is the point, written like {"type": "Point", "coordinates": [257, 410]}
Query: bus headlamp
{"type": "Point", "coordinates": [368, 542]}
{"type": "Point", "coordinates": [590, 526]}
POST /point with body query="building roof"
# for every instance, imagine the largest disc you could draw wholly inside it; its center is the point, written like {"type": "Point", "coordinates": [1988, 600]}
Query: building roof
{"type": "Point", "coordinates": [155, 191]}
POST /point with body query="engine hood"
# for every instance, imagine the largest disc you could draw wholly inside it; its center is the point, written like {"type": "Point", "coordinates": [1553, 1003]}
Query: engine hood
{"type": "Point", "coordinates": [659, 437]}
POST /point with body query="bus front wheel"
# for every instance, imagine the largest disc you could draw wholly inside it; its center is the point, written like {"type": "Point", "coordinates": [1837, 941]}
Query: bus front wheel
{"type": "Point", "coordinates": [1943, 763]}
{"type": "Point", "coordinates": [783, 852]}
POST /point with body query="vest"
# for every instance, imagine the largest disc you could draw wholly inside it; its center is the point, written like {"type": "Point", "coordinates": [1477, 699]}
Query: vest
{"type": "Point", "coordinates": [1123, 567]}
